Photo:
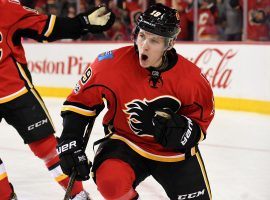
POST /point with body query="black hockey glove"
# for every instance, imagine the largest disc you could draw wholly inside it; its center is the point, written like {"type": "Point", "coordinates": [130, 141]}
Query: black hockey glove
{"type": "Point", "coordinates": [96, 20]}
{"type": "Point", "coordinates": [175, 131]}
{"type": "Point", "coordinates": [72, 157]}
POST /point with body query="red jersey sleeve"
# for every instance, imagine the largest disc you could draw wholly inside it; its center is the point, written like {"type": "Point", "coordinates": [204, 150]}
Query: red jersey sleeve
{"type": "Point", "coordinates": [21, 17]}
{"type": "Point", "coordinates": [19, 21]}
{"type": "Point", "coordinates": [90, 94]}
{"type": "Point", "coordinates": [87, 96]}
{"type": "Point", "coordinates": [198, 104]}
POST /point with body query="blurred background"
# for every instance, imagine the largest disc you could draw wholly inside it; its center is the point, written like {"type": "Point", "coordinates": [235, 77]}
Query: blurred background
{"type": "Point", "coordinates": [201, 20]}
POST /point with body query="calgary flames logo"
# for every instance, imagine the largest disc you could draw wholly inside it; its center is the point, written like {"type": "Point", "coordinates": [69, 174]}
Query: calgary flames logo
{"type": "Point", "coordinates": [141, 112]}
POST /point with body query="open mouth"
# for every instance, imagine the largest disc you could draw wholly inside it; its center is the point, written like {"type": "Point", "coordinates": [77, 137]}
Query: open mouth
{"type": "Point", "coordinates": [144, 57]}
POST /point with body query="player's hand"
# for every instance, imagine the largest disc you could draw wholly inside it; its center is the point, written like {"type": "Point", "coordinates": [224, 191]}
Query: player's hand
{"type": "Point", "coordinates": [174, 131]}
{"type": "Point", "coordinates": [97, 19]}
{"type": "Point", "coordinates": [72, 157]}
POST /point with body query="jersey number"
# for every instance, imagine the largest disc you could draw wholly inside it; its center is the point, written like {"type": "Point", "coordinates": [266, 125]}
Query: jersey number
{"type": "Point", "coordinates": [1, 50]}
{"type": "Point", "coordinates": [86, 76]}
{"type": "Point", "coordinates": [155, 13]}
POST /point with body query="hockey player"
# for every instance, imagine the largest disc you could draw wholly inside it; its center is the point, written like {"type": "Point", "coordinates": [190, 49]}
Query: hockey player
{"type": "Point", "coordinates": [159, 108]}
{"type": "Point", "coordinates": [20, 104]}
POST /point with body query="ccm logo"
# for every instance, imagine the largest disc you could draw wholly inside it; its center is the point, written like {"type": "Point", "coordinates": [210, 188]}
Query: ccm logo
{"type": "Point", "coordinates": [66, 147]}
{"type": "Point", "coordinates": [37, 124]}
{"type": "Point", "coordinates": [191, 195]}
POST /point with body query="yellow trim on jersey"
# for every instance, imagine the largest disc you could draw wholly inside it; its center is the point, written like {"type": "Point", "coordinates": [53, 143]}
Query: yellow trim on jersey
{"type": "Point", "coordinates": [201, 137]}
{"type": "Point", "coordinates": [149, 155]}
{"type": "Point", "coordinates": [35, 93]}
{"type": "Point", "coordinates": [24, 75]}
{"type": "Point", "coordinates": [61, 177]}
{"type": "Point", "coordinates": [78, 110]}
{"type": "Point", "coordinates": [193, 151]}
{"type": "Point", "coordinates": [204, 174]}
{"type": "Point", "coordinates": [51, 26]}
{"type": "Point", "coordinates": [2, 176]}
{"type": "Point", "coordinates": [13, 96]}
{"type": "Point", "coordinates": [43, 106]}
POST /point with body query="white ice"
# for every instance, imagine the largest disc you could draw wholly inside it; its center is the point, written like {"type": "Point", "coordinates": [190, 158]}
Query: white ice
{"type": "Point", "coordinates": [236, 154]}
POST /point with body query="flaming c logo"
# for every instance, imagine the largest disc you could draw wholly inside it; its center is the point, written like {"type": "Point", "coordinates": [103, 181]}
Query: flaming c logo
{"type": "Point", "coordinates": [141, 112]}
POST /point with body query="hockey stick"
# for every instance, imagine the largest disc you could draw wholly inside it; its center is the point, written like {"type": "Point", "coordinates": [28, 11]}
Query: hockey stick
{"type": "Point", "coordinates": [74, 173]}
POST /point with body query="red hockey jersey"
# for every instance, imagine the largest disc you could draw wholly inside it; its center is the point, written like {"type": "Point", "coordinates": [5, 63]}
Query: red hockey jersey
{"type": "Point", "coordinates": [118, 77]}
{"type": "Point", "coordinates": [258, 31]}
{"type": "Point", "coordinates": [17, 20]}
{"type": "Point", "coordinates": [207, 29]}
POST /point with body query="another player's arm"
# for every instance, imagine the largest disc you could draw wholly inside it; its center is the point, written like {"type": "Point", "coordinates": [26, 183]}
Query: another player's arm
{"type": "Point", "coordinates": [96, 20]}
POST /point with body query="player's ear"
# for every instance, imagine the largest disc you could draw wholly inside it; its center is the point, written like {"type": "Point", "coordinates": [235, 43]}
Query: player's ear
{"type": "Point", "coordinates": [170, 44]}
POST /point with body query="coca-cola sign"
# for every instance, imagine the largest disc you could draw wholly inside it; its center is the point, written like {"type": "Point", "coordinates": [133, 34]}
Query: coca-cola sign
{"type": "Point", "coordinates": [216, 66]}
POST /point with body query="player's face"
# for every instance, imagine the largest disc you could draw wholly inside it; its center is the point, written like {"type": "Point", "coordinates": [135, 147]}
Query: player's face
{"type": "Point", "coordinates": [151, 48]}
